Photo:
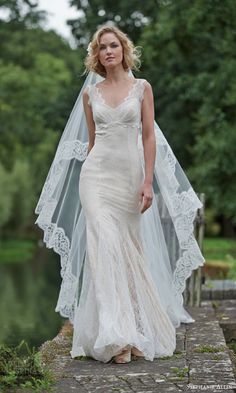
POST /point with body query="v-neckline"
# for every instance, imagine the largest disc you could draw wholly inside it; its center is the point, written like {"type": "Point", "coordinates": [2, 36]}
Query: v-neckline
{"type": "Point", "coordinates": [122, 101]}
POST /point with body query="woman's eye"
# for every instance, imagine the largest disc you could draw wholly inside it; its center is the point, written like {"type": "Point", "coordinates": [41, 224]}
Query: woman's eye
{"type": "Point", "coordinates": [113, 46]}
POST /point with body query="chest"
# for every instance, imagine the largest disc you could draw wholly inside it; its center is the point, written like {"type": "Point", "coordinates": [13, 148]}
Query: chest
{"type": "Point", "coordinates": [128, 111]}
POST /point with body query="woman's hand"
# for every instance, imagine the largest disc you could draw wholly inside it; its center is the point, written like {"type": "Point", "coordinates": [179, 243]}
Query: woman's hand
{"type": "Point", "coordinates": [145, 196]}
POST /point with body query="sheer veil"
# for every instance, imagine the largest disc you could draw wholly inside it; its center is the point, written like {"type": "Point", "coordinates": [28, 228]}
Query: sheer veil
{"type": "Point", "coordinates": [167, 224]}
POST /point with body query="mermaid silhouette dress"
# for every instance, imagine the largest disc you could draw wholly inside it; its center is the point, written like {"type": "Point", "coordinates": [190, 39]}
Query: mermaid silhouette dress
{"type": "Point", "coordinates": [119, 304]}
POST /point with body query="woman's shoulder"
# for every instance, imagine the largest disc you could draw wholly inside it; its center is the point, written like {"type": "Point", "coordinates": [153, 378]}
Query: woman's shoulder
{"type": "Point", "coordinates": [144, 82]}
{"type": "Point", "coordinates": [87, 89]}
{"type": "Point", "coordinates": [87, 95]}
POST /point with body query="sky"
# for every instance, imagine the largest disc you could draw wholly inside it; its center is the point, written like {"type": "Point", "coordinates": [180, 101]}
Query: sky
{"type": "Point", "coordinates": [58, 12]}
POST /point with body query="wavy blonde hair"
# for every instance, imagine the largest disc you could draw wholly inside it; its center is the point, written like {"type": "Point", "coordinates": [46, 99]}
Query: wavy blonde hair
{"type": "Point", "coordinates": [131, 53]}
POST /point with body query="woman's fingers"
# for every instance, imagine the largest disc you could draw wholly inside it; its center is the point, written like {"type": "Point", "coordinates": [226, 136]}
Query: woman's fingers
{"type": "Point", "coordinates": [145, 197]}
{"type": "Point", "coordinates": [147, 201]}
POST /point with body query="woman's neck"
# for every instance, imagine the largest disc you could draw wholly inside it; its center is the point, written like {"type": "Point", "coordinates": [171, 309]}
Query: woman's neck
{"type": "Point", "coordinates": [116, 75]}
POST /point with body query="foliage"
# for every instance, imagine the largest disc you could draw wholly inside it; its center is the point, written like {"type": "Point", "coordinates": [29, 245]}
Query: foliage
{"type": "Point", "coordinates": [40, 78]}
{"type": "Point", "coordinates": [190, 62]}
{"type": "Point", "coordinates": [21, 367]}
{"type": "Point", "coordinates": [17, 251]}
{"type": "Point", "coordinates": [130, 16]}
{"type": "Point", "coordinates": [6, 197]}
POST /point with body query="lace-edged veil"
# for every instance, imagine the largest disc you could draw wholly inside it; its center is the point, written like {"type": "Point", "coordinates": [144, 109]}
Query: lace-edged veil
{"type": "Point", "coordinates": [167, 224]}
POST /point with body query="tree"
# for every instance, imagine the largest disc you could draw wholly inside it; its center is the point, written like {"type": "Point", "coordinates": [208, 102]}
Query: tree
{"type": "Point", "coordinates": [40, 77]}
{"type": "Point", "coordinates": [130, 16]}
{"type": "Point", "coordinates": [190, 60]}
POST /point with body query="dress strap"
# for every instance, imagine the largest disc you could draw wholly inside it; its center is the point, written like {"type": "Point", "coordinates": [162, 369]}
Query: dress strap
{"type": "Point", "coordinates": [140, 88]}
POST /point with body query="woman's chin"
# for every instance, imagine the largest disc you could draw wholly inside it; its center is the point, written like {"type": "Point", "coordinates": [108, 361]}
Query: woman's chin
{"type": "Point", "coordinates": [112, 65]}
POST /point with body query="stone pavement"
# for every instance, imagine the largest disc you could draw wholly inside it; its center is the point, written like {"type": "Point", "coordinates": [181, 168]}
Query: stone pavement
{"type": "Point", "coordinates": [225, 311]}
{"type": "Point", "coordinates": [218, 289]}
{"type": "Point", "coordinates": [201, 362]}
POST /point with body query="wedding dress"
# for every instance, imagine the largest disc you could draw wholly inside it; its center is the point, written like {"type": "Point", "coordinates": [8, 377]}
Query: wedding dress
{"type": "Point", "coordinates": [119, 304]}
{"type": "Point", "coordinates": [123, 272]}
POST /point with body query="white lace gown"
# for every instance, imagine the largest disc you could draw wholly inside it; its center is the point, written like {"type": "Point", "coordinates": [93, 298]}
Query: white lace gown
{"type": "Point", "coordinates": [119, 304]}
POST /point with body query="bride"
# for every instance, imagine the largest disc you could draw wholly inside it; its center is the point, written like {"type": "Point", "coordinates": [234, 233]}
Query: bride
{"type": "Point", "coordinates": [122, 287]}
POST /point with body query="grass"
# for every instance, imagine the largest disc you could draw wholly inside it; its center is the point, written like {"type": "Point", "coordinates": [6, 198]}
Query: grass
{"type": "Point", "coordinates": [22, 368]}
{"type": "Point", "coordinates": [221, 251]}
{"type": "Point", "coordinates": [209, 348]}
{"type": "Point", "coordinates": [232, 345]}
{"type": "Point", "coordinates": [180, 373]}
{"type": "Point", "coordinates": [16, 251]}
{"type": "Point", "coordinates": [176, 355]}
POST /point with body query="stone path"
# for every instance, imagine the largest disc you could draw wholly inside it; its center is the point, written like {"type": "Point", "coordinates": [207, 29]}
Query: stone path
{"type": "Point", "coordinates": [202, 362]}
{"type": "Point", "coordinates": [218, 289]}
{"type": "Point", "coordinates": [226, 314]}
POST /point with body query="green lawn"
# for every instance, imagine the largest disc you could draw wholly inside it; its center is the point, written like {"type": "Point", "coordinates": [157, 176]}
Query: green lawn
{"type": "Point", "coordinates": [16, 251]}
{"type": "Point", "coordinates": [222, 250]}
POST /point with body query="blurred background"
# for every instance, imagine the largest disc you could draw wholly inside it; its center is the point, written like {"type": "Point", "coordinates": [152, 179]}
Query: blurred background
{"type": "Point", "coordinates": [188, 56]}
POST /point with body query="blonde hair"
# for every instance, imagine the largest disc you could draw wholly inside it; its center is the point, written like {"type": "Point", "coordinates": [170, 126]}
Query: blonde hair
{"type": "Point", "coordinates": [131, 53]}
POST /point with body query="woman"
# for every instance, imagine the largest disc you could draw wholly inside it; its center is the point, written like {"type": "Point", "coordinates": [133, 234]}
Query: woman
{"type": "Point", "coordinates": [126, 304]}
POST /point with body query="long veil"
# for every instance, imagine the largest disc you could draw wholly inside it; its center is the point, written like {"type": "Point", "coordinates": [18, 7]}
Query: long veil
{"type": "Point", "coordinates": [167, 224]}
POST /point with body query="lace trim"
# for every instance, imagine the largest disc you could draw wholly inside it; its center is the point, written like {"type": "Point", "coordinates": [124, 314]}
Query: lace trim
{"type": "Point", "coordinates": [182, 208]}
{"type": "Point", "coordinates": [66, 151]}
{"type": "Point", "coordinates": [55, 238]}
{"type": "Point", "coordinates": [138, 87]}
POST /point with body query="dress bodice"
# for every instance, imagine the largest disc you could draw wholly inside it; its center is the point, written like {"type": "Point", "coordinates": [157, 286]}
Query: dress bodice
{"type": "Point", "coordinates": [126, 114]}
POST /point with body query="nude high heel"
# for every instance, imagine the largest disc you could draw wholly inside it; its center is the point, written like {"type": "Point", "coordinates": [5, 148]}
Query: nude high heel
{"type": "Point", "coordinates": [124, 356]}
{"type": "Point", "coordinates": [136, 352]}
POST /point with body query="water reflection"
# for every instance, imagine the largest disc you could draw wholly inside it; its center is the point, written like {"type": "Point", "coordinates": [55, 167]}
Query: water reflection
{"type": "Point", "coordinates": [28, 297]}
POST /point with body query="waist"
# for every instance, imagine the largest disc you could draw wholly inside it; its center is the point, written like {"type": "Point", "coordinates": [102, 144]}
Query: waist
{"type": "Point", "coordinates": [101, 128]}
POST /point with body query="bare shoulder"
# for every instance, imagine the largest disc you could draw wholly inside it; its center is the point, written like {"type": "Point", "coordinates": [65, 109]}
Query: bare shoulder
{"type": "Point", "coordinates": [147, 85]}
{"type": "Point", "coordinates": [147, 91]}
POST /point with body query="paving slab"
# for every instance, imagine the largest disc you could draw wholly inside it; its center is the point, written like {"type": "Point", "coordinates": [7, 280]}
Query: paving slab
{"type": "Point", "coordinates": [201, 362]}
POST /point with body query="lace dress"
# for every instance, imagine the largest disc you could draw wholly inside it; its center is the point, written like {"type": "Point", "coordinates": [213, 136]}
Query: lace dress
{"type": "Point", "coordinates": [119, 304]}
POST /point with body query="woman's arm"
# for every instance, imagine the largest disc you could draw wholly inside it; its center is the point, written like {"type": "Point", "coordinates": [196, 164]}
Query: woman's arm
{"type": "Point", "coordinates": [149, 145]}
{"type": "Point", "coordinates": [89, 119]}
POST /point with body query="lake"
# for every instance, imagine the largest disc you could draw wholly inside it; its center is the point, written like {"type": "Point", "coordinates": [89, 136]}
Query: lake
{"type": "Point", "coordinates": [28, 297]}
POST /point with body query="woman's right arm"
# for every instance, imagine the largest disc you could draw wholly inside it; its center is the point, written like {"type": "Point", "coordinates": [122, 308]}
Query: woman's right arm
{"type": "Point", "coordinates": [89, 118]}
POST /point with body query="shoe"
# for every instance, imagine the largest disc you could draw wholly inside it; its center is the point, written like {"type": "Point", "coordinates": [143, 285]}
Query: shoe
{"type": "Point", "coordinates": [124, 356]}
{"type": "Point", "coordinates": [136, 352]}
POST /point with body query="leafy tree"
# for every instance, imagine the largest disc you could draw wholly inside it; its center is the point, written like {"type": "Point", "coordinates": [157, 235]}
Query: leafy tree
{"type": "Point", "coordinates": [40, 76]}
{"type": "Point", "coordinates": [131, 16]}
{"type": "Point", "coordinates": [190, 60]}
{"type": "Point", "coordinates": [7, 188]}
{"type": "Point", "coordinates": [22, 12]}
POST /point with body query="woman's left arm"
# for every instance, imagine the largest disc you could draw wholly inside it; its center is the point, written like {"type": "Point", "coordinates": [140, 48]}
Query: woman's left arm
{"type": "Point", "coordinates": [149, 145]}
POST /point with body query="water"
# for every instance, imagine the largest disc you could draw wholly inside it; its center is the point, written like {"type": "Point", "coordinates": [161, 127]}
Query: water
{"type": "Point", "coordinates": [28, 296]}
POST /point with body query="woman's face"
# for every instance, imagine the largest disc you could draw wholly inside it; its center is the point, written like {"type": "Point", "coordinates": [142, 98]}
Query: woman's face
{"type": "Point", "coordinates": [110, 50]}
